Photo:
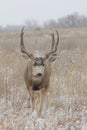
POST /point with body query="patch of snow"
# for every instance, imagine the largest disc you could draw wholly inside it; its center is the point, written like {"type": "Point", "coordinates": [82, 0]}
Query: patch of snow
{"type": "Point", "coordinates": [84, 127]}
{"type": "Point", "coordinates": [34, 115]}
{"type": "Point", "coordinates": [40, 124]}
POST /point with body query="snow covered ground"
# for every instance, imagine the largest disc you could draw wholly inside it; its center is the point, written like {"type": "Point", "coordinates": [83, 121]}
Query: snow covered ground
{"type": "Point", "coordinates": [52, 118]}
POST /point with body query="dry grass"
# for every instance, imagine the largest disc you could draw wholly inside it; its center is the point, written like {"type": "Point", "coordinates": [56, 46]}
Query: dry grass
{"type": "Point", "coordinates": [66, 104]}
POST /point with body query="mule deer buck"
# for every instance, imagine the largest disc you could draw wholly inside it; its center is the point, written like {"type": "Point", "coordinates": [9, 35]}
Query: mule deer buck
{"type": "Point", "coordinates": [38, 70]}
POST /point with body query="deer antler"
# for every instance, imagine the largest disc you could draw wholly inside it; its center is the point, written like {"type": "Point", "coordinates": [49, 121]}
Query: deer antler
{"type": "Point", "coordinates": [23, 50]}
{"type": "Point", "coordinates": [53, 49]}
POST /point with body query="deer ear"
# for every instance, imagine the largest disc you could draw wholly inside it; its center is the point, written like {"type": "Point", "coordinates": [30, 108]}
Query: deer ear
{"type": "Point", "coordinates": [25, 56]}
{"type": "Point", "coordinates": [52, 58]}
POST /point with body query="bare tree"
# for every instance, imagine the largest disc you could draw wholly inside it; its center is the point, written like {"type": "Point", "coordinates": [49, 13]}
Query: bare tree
{"type": "Point", "coordinates": [32, 24]}
{"type": "Point", "coordinates": [38, 70]}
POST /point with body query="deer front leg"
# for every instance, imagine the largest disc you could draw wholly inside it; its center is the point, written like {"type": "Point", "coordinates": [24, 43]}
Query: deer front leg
{"type": "Point", "coordinates": [31, 94]}
{"type": "Point", "coordinates": [41, 97]}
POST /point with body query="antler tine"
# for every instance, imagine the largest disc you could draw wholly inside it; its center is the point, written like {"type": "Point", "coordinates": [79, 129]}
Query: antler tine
{"type": "Point", "coordinates": [57, 41]}
{"type": "Point", "coordinates": [56, 45]}
{"type": "Point", "coordinates": [22, 41]}
{"type": "Point", "coordinates": [53, 41]}
{"type": "Point", "coordinates": [23, 50]}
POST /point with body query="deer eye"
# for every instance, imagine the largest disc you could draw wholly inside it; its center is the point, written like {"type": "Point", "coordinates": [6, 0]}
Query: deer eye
{"type": "Point", "coordinates": [34, 64]}
{"type": "Point", "coordinates": [43, 64]}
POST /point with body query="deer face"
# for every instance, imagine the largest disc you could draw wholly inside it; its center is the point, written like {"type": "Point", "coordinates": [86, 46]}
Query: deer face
{"type": "Point", "coordinates": [38, 67]}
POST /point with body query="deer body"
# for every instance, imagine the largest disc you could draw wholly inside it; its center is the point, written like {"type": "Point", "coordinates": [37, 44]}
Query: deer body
{"type": "Point", "coordinates": [38, 71]}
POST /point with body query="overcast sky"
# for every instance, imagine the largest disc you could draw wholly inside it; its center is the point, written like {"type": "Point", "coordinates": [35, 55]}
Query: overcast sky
{"type": "Point", "coordinates": [18, 11]}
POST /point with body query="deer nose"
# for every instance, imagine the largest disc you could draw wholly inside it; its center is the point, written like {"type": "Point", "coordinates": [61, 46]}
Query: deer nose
{"type": "Point", "coordinates": [39, 74]}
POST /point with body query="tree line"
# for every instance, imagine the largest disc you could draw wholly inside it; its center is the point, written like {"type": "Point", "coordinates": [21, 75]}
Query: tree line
{"type": "Point", "coordinates": [68, 21]}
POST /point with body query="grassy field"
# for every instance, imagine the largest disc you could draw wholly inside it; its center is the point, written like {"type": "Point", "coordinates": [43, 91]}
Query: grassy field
{"type": "Point", "coordinates": [66, 104]}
